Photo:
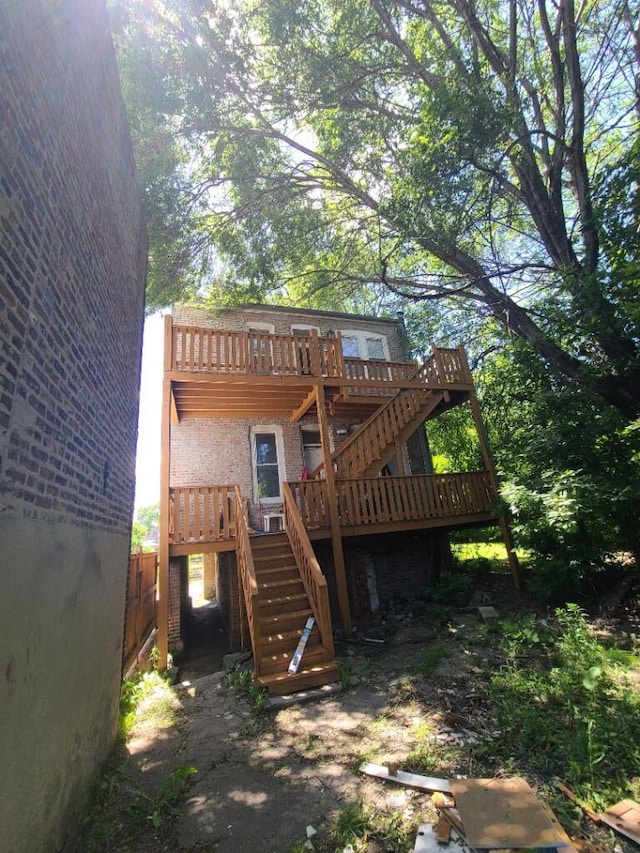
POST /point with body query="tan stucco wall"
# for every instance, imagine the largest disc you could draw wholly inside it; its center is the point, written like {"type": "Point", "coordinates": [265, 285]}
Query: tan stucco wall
{"type": "Point", "coordinates": [61, 623]}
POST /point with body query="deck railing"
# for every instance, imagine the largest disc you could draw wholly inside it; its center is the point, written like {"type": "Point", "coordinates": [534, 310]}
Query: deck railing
{"type": "Point", "coordinates": [311, 501]}
{"type": "Point", "coordinates": [202, 514]}
{"type": "Point", "coordinates": [379, 432]}
{"type": "Point", "coordinates": [202, 350]}
{"type": "Point", "coordinates": [382, 500]}
{"type": "Point", "coordinates": [223, 351]}
{"type": "Point", "coordinates": [314, 581]}
{"type": "Point", "coordinates": [362, 501]}
{"type": "Point", "coordinates": [248, 579]}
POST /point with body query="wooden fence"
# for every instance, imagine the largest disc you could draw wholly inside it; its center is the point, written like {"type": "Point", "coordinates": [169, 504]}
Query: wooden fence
{"type": "Point", "coordinates": [140, 608]}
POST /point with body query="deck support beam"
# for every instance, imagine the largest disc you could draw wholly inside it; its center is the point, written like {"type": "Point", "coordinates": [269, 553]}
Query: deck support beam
{"type": "Point", "coordinates": [334, 515]}
{"type": "Point", "coordinates": [165, 467]}
{"type": "Point", "coordinates": [507, 537]}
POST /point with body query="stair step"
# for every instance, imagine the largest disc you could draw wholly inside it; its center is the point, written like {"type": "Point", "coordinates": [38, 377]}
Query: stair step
{"type": "Point", "coordinates": [280, 684]}
{"type": "Point", "coordinates": [287, 641]}
{"type": "Point", "coordinates": [282, 585]}
{"type": "Point", "coordinates": [284, 575]}
{"type": "Point", "coordinates": [278, 604]}
{"type": "Point", "coordinates": [275, 623]}
{"type": "Point", "coordinates": [279, 662]}
{"type": "Point", "coordinates": [285, 562]}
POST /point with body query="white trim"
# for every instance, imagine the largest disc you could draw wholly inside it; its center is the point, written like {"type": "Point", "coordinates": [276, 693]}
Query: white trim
{"type": "Point", "coordinates": [304, 327]}
{"type": "Point", "coordinates": [276, 430]}
{"type": "Point", "coordinates": [259, 327]}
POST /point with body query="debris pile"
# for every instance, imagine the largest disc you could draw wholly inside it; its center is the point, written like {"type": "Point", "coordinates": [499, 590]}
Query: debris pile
{"type": "Point", "coordinates": [498, 814]}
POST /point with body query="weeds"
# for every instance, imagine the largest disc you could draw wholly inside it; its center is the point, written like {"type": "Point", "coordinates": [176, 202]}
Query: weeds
{"type": "Point", "coordinates": [565, 711]}
{"type": "Point", "coordinates": [431, 659]}
{"type": "Point", "coordinates": [359, 826]}
{"type": "Point", "coordinates": [243, 683]}
{"type": "Point", "coordinates": [169, 800]}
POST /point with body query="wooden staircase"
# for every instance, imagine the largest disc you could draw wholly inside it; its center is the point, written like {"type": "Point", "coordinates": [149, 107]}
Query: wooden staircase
{"type": "Point", "coordinates": [284, 608]}
{"type": "Point", "coordinates": [367, 451]}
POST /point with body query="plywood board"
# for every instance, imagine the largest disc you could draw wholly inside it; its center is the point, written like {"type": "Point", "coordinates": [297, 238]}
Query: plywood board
{"type": "Point", "coordinates": [503, 813]}
{"type": "Point", "coordinates": [624, 818]}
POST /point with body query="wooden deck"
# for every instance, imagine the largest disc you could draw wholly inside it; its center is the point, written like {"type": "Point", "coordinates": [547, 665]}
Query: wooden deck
{"type": "Point", "coordinates": [215, 373]}
{"type": "Point", "coordinates": [204, 518]}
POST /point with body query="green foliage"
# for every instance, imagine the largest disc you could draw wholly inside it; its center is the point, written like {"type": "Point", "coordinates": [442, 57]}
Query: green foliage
{"type": "Point", "coordinates": [566, 710]}
{"type": "Point", "coordinates": [570, 470]}
{"type": "Point", "coordinates": [360, 826]}
{"type": "Point", "coordinates": [299, 148]}
{"type": "Point", "coordinates": [243, 683]}
{"type": "Point", "coordinates": [152, 690]}
{"type": "Point", "coordinates": [168, 802]}
{"type": "Point", "coordinates": [431, 658]}
{"type": "Point", "coordinates": [138, 535]}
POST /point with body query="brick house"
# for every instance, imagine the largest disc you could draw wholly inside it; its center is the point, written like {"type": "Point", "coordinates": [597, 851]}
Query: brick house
{"type": "Point", "coordinates": [72, 276]}
{"type": "Point", "coordinates": [294, 460]}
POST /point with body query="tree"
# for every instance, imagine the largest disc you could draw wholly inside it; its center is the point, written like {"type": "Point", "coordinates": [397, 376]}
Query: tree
{"type": "Point", "coordinates": [479, 151]}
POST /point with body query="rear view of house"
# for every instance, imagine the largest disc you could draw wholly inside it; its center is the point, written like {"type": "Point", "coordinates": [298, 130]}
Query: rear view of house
{"type": "Point", "coordinates": [295, 460]}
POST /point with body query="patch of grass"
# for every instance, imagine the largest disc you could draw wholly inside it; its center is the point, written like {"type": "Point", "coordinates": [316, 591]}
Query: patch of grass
{"type": "Point", "coordinates": [432, 759]}
{"type": "Point", "coordinates": [168, 802]}
{"type": "Point", "coordinates": [359, 827]}
{"type": "Point", "coordinates": [243, 683]}
{"type": "Point", "coordinates": [432, 657]}
{"type": "Point", "coordinates": [564, 709]}
{"type": "Point", "coordinates": [149, 694]}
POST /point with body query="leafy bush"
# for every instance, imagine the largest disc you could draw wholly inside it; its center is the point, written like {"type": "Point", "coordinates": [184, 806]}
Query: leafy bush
{"type": "Point", "coordinates": [567, 711]}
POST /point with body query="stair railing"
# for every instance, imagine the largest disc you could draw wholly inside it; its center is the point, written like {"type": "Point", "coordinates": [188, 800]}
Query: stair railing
{"type": "Point", "coordinates": [247, 574]}
{"type": "Point", "coordinates": [314, 581]}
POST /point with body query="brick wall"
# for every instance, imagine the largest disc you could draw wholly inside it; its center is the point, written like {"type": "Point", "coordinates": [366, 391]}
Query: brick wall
{"type": "Point", "coordinates": [72, 254]}
{"type": "Point", "coordinates": [72, 267]}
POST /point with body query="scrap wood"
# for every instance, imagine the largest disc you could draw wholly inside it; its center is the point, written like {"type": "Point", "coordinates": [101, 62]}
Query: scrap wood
{"type": "Point", "coordinates": [624, 818]}
{"type": "Point", "coordinates": [453, 819]}
{"type": "Point", "coordinates": [442, 829]}
{"type": "Point", "coordinates": [442, 801]}
{"type": "Point", "coordinates": [503, 814]}
{"type": "Point", "coordinates": [411, 780]}
{"type": "Point", "coordinates": [427, 842]}
{"type": "Point", "coordinates": [594, 816]}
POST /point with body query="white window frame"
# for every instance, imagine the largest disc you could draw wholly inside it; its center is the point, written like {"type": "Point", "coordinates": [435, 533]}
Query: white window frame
{"type": "Point", "coordinates": [276, 430]}
{"type": "Point", "coordinates": [361, 337]}
{"type": "Point", "coordinates": [259, 327]}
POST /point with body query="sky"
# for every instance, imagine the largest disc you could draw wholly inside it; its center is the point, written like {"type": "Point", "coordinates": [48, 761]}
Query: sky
{"type": "Point", "coordinates": [148, 453]}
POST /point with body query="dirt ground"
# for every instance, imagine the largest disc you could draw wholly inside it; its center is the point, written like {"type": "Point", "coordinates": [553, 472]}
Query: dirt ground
{"type": "Point", "coordinates": [264, 777]}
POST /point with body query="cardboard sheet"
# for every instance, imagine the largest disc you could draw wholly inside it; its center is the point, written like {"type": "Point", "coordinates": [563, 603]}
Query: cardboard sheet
{"type": "Point", "coordinates": [624, 818]}
{"type": "Point", "coordinates": [503, 813]}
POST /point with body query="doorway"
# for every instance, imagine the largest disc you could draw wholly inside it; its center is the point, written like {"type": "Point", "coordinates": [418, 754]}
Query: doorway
{"type": "Point", "coordinates": [311, 448]}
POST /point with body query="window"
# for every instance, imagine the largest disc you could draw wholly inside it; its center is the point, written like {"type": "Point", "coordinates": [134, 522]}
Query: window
{"type": "Point", "coordinates": [303, 331]}
{"type": "Point", "coordinates": [266, 454]}
{"type": "Point", "coordinates": [365, 345]}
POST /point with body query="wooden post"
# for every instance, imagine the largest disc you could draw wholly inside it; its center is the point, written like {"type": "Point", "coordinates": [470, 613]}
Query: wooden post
{"type": "Point", "coordinates": [334, 516]}
{"type": "Point", "coordinates": [514, 564]}
{"type": "Point", "coordinates": [165, 464]}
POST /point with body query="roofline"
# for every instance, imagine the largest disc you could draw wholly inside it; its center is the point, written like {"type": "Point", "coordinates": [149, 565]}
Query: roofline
{"type": "Point", "coordinates": [313, 312]}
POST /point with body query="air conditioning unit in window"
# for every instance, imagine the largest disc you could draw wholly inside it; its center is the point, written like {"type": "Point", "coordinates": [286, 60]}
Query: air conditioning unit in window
{"type": "Point", "coordinates": [274, 522]}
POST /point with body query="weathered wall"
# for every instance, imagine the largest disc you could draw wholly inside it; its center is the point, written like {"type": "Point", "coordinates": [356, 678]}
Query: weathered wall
{"type": "Point", "coordinates": [72, 264]}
